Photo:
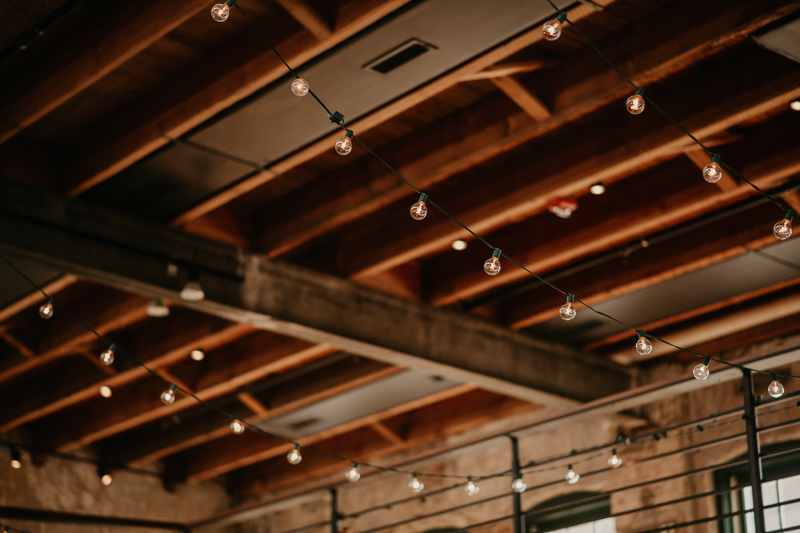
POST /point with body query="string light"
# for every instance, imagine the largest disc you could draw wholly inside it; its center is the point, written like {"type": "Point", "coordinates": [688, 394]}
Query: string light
{"type": "Point", "coordinates": [518, 485]}
{"type": "Point", "coordinates": [197, 354]}
{"type": "Point", "coordinates": [635, 104]}
{"type": "Point", "coordinates": [105, 477]}
{"type": "Point", "coordinates": [353, 474]}
{"type": "Point", "coordinates": [415, 484]}
{"type": "Point", "coordinates": [419, 210]}
{"type": "Point", "coordinates": [107, 355]}
{"type": "Point", "coordinates": [701, 371]}
{"type": "Point", "coordinates": [614, 461]}
{"type": "Point", "coordinates": [567, 311]}
{"type": "Point", "coordinates": [795, 105]}
{"type": "Point", "coordinates": [193, 291]}
{"type": "Point", "coordinates": [597, 189]}
{"type": "Point", "coordinates": [106, 391]}
{"type": "Point", "coordinates": [157, 309]}
{"type": "Point", "coordinates": [168, 396]}
{"type": "Point", "coordinates": [294, 456]}
{"type": "Point", "coordinates": [220, 12]}
{"type": "Point", "coordinates": [16, 458]}
{"type": "Point", "coordinates": [299, 87]}
{"type": "Point", "coordinates": [643, 345]}
{"type": "Point", "coordinates": [459, 245]}
{"type": "Point", "coordinates": [471, 489]}
{"type": "Point", "coordinates": [552, 28]}
{"type": "Point", "coordinates": [775, 388]}
{"type": "Point", "coordinates": [571, 476]}
{"type": "Point", "coordinates": [344, 145]}
{"type": "Point", "coordinates": [46, 310]}
{"type": "Point", "coordinates": [237, 427]}
{"type": "Point", "coordinates": [712, 172]}
{"type": "Point", "coordinates": [783, 229]}
{"type": "Point", "coordinates": [492, 265]}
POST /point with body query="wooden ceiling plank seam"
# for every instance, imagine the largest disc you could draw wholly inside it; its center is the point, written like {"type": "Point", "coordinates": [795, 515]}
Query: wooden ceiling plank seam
{"type": "Point", "coordinates": [308, 17]}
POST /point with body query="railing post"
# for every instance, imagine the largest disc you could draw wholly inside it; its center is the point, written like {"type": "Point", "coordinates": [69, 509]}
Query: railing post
{"type": "Point", "coordinates": [334, 512]}
{"type": "Point", "coordinates": [519, 518]}
{"type": "Point", "coordinates": [753, 450]}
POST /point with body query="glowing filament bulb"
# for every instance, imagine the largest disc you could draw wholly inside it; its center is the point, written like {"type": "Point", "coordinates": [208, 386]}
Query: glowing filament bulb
{"type": "Point", "coordinates": [197, 354]}
{"type": "Point", "coordinates": [344, 145]}
{"type": "Point", "coordinates": [712, 172]}
{"type": "Point", "coordinates": [471, 489]}
{"type": "Point", "coordinates": [775, 388]}
{"type": "Point", "coordinates": [107, 356]}
{"type": "Point", "coordinates": [300, 87]}
{"type": "Point", "coordinates": [571, 476]}
{"type": "Point", "coordinates": [353, 474]}
{"type": "Point", "coordinates": [237, 427]}
{"type": "Point", "coordinates": [567, 311]}
{"type": "Point", "coordinates": [518, 485]}
{"type": "Point", "coordinates": [168, 396]}
{"type": "Point", "coordinates": [643, 345]}
{"type": "Point", "coordinates": [701, 371]}
{"type": "Point", "coordinates": [220, 12]}
{"type": "Point", "coordinates": [106, 391]}
{"type": "Point", "coordinates": [614, 461]}
{"type": "Point", "coordinates": [635, 103]}
{"type": "Point", "coordinates": [294, 456]}
{"type": "Point", "coordinates": [419, 210]}
{"type": "Point", "coordinates": [46, 310]}
{"type": "Point", "coordinates": [16, 458]}
{"type": "Point", "coordinates": [415, 484]}
{"type": "Point", "coordinates": [552, 28]}
{"type": "Point", "coordinates": [492, 265]}
{"type": "Point", "coordinates": [783, 229]}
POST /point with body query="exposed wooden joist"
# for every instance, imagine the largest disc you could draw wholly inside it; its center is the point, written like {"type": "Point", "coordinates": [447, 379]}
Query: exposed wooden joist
{"type": "Point", "coordinates": [527, 101]}
{"type": "Point", "coordinates": [292, 301]}
{"type": "Point", "coordinates": [62, 72]}
{"type": "Point", "coordinates": [793, 199]}
{"type": "Point", "coordinates": [308, 17]}
{"type": "Point", "coordinates": [509, 69]}
{"type": "Point", "coordinates": [701, 159]}
{"type": "Point", "coordinates": [35, 297]}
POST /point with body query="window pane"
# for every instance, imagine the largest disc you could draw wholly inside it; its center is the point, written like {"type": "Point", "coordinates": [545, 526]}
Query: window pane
{"type": "Point", "coordinates": [771, 520]}
{"type": "Point", "coordinates": [747, 494]}
{"type": "Point", "coordinates": [769, 492]}
{"type": "Point", "coordinates": [789, 488]}
{"type": "Point", "coordinates": [750, 523]}
{"type": "Point", "coordinates": [790, 515]}
{"type": "Point", "coordinates": [583, 528]}
{"type": "Point", "coordinates": [607, 525]}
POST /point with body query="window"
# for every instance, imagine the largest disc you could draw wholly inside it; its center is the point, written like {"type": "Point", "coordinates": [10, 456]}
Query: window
{"type": "Point", "coordinates": [590, 513]}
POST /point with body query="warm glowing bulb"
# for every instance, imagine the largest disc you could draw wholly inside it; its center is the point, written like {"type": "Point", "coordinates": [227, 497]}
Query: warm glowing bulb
{"type": "Point", "coordinates": [571, 476]}
{"type": "Point", "coordinates": [552, 28]}
{"type": "Point", "coordinates": [775, 388]}
{"type": "Point", "coordinates": [168, 396]}
{"type": "Point", "coordinates": [783, 229]}
{"type": "Point", "coordinates": [567, 311]}
{"type": "Point", "coordinates": [16, 464]}
{"type": "Point", "coordinates": [415, 484]}
{"type": "Point", "coordinates": [472, 489]}
{"type": "Point", "coordinates": [220, 12]}
{"type": "Point", "coordinates": [492, 265]}
{"type": "Point", "coordinates": [643, 345]}
{"type": "Point", "coordinates": [106, 391]}
{"type": "Point", "coordinates": [459, 245]}
{"type": "Point", "coordinates": [197, 354]}
{"type": "Point", "coordinates": [712, 172]}
{"type": "Point", "coordinates": [614, 461]}
{"type": "Point", "coordinates": [107, 356]}
{"type": "Point", "coordinates": [344, 145]}
{"type": "Point", "coordinates": [701, 371]}
{"type": "Point", "coordinates": [157, 308]}
{"type": "Point", "coordinates": [353, 474]}
{"type": "Point", "coordinates": [597, 189]}
{"type": "Point", "coordinates": [300, 87]}
{"type": "Point", "coordinates": [795, 105]}
{"type": "Point", "coordinates": [193, 291]}
{"type": "Point", "coordinates": [635, 104]}
{"type": "Point", "coordinates": [294, 456]}
{"type": "Point", "coordinates": [518, 485]}
{"type": "Point", "coordinates": [46, 310]}
{"type": "Point", "coordinates": [419, 210]}
{"type": "Point", "coordinates": [106, 479]}
{"type": "Point", "coordinates": [237, 427]}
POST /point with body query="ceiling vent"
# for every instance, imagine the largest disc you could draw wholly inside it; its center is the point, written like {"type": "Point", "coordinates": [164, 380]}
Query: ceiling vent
{"type": "Point", "coordinates": [783, 37]}
{"type": "Point", "coordinates": [399, 56]}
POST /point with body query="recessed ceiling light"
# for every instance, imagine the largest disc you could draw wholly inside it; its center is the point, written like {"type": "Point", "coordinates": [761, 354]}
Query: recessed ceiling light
{"type": "Point", "coordinates": [459, 245]}
{"type": "Point", "coordinates": [597, 189]}
{"type": "Point", "coordinates": [106, 391]}
{"type": "Point", "coordinates": [197, 354]}
{"type": "Point", "coordinates": [795, 105]}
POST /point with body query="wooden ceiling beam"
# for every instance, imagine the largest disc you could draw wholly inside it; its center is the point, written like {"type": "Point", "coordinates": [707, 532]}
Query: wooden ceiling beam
{"type": "Point", "coordinates": [502, 70]}
{"type": "Point", "coordinates": [701, 159]}
{"type": "Point", "coordinates": [308, 17]}
{"type": "Point", "coordinates": [201, 93]}
{"type": "Point", "coordinates": [64, 70]}
{"type": "Point", "coordinates": [35, 297]}
{"type": "Point", "coordinates": [474, 136]}
{"type": "Point", "coordinates": [521, 96]}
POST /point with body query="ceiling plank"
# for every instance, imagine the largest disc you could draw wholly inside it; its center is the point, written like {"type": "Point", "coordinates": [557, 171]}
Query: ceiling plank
{"type": "Point", "coordinates": [308, 17]}
{"type": "Point", "coordinates": [300, 303]}
{"type": "Point", "coordinates": [509, 69]}
{"type": "Point", "coordinates": [521, 96]}
{"type": "Point", "coordinates": [793, 199]}
{"type": "Point", "coordinates": [65, 70]}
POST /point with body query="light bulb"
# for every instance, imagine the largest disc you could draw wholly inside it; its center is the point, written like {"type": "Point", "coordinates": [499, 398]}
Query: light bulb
{"type": "Point", "coordinates": [492, 265]}
{"type": "Point", "coordinates": [783, 229]}
{"type": "Point", "coordinates": [567, 311]}
{"type": "Point", "coordinates": [16, 464]}
{"type": "Point", "coordinates": [635, 104]}
{"type": "Point", "coordinates": [344, 145]}
{"type": "Point", "coordinates": [712, 172]}
{"type": "Point", "coordinates": [795, 105]}
{"type": "Point", "coordinates": [353, 474]}
{"type": "Point", "coordinates": [597, 189]}
{"type": "Point", "coordinates": [415, 484]}
{"type": "Point", "coordinates": [106, 391]}
{"type": "Point", "coordinates": [46, 310]}
{"type": "Point", "coordinates": [220, 12]}
{"type": "Point", "coordinates": [237, 427]}
{"type": "Point", "coordinates": [16, 458]}
{"type": "Point", "coordinates": [193, 291]}
{"type": "Point", "coordinates": [300, 87]}
{"type": "Point", "coordinates": [459, 245]}
{"type": "Point", "coordinates": [419, 210]}
{"type": "Point", "coordinates": [571, 476]}
{"type": "Point", "coordinates": [518, 485]}
{"type": "Point", "coordinates": [168, 396]}
{"type": "Point", "coordinates": [701, 371]}
{"type": "Point", "coordinates": [106, 479]}
{"type": "Point", "coordinates": [107, 356]}
{"type": "Point", "coordinates": [294, 456]}
{"type": "Point", "coordinates": [552, 28]}
{"type": "Point", "coordinates": [643, 345]}
{"type": "Point", "coordinates": [157, 309]}
{"type": "Point", "coordinates": [614, 461]}
{"type": "Point", "coordinates": [775, 388]}
{"type": "Point", "coordinates": [472, 489]}
{"type": "Point", "coordinates": [197, 354]}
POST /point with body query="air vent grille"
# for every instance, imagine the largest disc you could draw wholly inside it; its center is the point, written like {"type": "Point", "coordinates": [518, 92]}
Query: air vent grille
{"type": "Point", "coordinates": [399, 56]}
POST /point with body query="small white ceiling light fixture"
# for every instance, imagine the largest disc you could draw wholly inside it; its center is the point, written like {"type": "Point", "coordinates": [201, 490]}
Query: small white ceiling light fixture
{"type": "Point", "coordinates": [157, 308]}
{"type": "Point", "coordinates": [193, 291]}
